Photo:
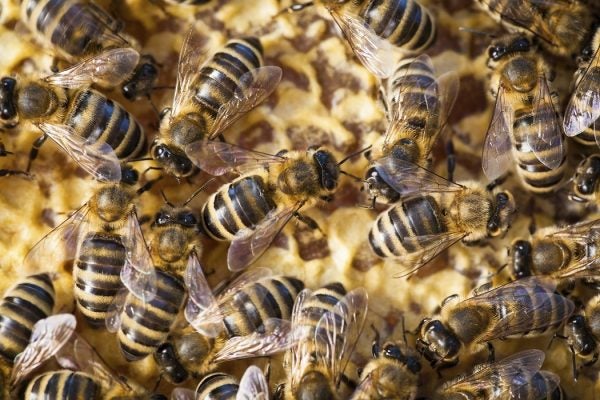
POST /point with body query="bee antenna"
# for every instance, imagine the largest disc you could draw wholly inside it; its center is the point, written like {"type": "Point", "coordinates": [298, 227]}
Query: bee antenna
{"type": "Point", "coordinates": [140, 159]}
{"type": "Point", "coordinates": [295, 8]}
{"type": "Point", "coordinates": [164, 196]}
{"type": "Point", "coordinates": [197, 191]}
{"type": "Point", "coordinates": [356, 178]}
{"type": "Point", "coordinates": [354, 154]}
{"type": "Point", "coordinates": [476, 32]}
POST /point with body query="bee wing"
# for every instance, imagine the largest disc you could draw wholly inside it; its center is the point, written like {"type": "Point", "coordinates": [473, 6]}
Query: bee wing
{"type": "Point", "coordinates": [253, 385]}
{"type": "Point", "coordinates": [428, 247]}
{"type": "Point", "coordinates": [89, 361]}
{"type": "Point", "coordinates": [218, 158]}
{"type": "Point", "coordinates": [527, 307]}
{"type": "Point", "coordinates": [113, 317]}
{"type": "Point", "coordinates": [187, 69]}
{"type": "Point", "coordinates": [505, 374]}
{"type": "Point", "coordinates": [43, 256]}
{"type": "Point", "coordinates": [253, 88]}
{"type": "Point", "coordinates": [338, 330]}
{"type": "Point", "coordinates": [583, 109]}
{"type": "Point", "coordinates": [539, 385]}
{"type": "Point", "coordinates": [546, 140]}
{"type": "Point", "coordinates": [497, 158]}
{"type": "Point", "coordinates": [376, 54]}
{"type": "Point", "coordinates": [108, 69]}
{"type": "Point", "coordinates": [183, 394]}
{"type": "Point", "coordinates": [98, 159]}
{"type": "Point", "coordinates": [582, 232]}
{"type": "Point", "coordinates": [300, 352]}
{"type": "Point", "coordinates": [201, 310]}
{"type": "Point", "coordinates": [272, 338]}
{"type": "Point", "coordinates": [138, 273]}
{"type": "Point", "coordinates": [48, 337]}
{"type": "Point", "coordinates": [250, 244]}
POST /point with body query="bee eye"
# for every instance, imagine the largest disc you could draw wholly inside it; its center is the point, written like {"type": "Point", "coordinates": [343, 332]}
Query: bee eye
{"type": "Point", "coordinates": [521, 45]}
{"type": "Point", "coordinates": [501, 199]}
{"type": "Point", "coordinates": [391, 351]}
{"type": "Point", "coordinates": [497, 52]}
{"type": "Point", "coordinates": [162, 218]}
{"type": "Point", "coordinates": [188, 219]}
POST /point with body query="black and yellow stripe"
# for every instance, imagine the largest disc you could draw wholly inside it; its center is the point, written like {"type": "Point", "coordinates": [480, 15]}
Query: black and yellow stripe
{"type": "Point", "coordinates": [537, 386]}
{"type": "Point", "coordinates": [244, 203]}
{"type": "Point", "coordinates": [65, 385]}
{"type": "Point", "coordinates": [22, 306]}
{"type": "Point", "coordinates": [217, 386]}
{"type": "Point", "coordinates": [318, 303]}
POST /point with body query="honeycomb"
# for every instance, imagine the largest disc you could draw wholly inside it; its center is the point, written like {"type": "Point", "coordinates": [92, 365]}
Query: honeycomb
{"type": "Point", "coordinates": [325, 97]}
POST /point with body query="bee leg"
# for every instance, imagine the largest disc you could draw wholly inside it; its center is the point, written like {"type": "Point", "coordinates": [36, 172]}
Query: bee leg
{"type": "Point", "coordinates": [496, 182]}
{"type": "Point", "coordinates": [491, 352]}
{"type": "Point", "coordinates": [451, 159]}
{"type": "Point", "coordinates": [593, 360]}
{"type": "Point", "coordinates": [311, 223]}
{"type": "Point", "coordinates": [574, 363]}
{"type": "Point", "coordinates": [144, 219]}
{"type": "Point", "coordinates": [3, 151]}
{"type": "Point", "coordinates": [555, 336]}
{"type": "Point", "coordinates": [157, 383]}
{"type": "Point", "coordinates": [12, 172]}
{"type": "Point", "coordinates": [35, 148]}
{"type": "Point", "coordinates": [376, 348]}
{"type": "Point", "coordinates": [352, 385]}
{"type": "Point", "coordinates": [279, 392]}
{"type": "Point", "coordinates": [54, 66]}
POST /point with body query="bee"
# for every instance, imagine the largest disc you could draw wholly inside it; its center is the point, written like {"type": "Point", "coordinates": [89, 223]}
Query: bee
{"type": "Point", "coordinates": [527, 307]}
{"type": "Point", "coordinates": [585, 181]}
{"type": "Point", "coordinates": [417, 104]}
{"type": "Point", "coordinates": [525, 125]}
{"type": "Point", "coordinates": [78, 29]}
{"type": "Point", "coordinates": [97, 132]}
{"type": "Point", "coordinates": [326, 325]}
{"type": "Point", "coordinates": [392, 374]}
{"type": "Point", "coordinates": [249, 318]}
{"type": "Point", "coordinates": [376, 30]}
{"type": "Point", "coordinates": [516, 377]}
{"type": "Point", "coordinates": [209, 98]}
{"type": "Point", "coordinates": [105, 240]}
{"type": "Point", "coordinates": [435, 213]}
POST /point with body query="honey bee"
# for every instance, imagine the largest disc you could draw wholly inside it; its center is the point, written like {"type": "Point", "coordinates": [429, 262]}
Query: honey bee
{"type": "Point", "coordinates": [525, 124]}
{"type": "Point", "coordinates": [515, 377]}
{"type": "Point", "coordinates": [435, 213]}
{"type": "Point", "coordinates": [585, 181]}
{"type": "Point", "coordinates": [417, 105]}
{"type": "Point", "coordinates": [326, 325]}
{"type": "Point", "coordinates": [79, 29]}
{"type": "Point", "coordinates": [376, 30]}
{"type": "Point", "coordinates": [527, 307]}
{"type": "Point", "coordinates": [105, 240]}
{"type": "Point", "coordinates": [209, 98]}
{"type": "Point", "coordinates": [255, 207]}
{"type": "Point", "coordinates": [97, 132]}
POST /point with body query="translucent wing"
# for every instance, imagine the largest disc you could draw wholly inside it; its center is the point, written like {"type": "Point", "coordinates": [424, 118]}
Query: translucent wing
{"type": "Point", "coordinates": [585, 232]}
{"type": "Point", "coordinates": [300, 353]}
{"type": "Point", "coordinates": [44, 255]}
{"type": "Point", "coordinates": [97, 159]}
{"type": "Point", "coordinates": [187, 70]}
{"type": "Point", "coordinates": [408, 178]}
{"type": "Point", "coordinates": [274, 337]}
{"type": "Point", "coordinates": [503, 374]}
{"type": "Point", "coordinates": [218, 158]}
{"type": "Point", "coordinates": [201, 310]}
{"type": "Point", "coordinates": [108, 69]}
{"type": "Point", "coordinates": [138, 273]}
{"type": "Point", "coordinates": [250, 244]}
{"type": "Point", "coordinates": [183, 394]}
{"type": "Point", "coordinates": [89, 361]}
{"type": "Point", "coordinates": [253, 88]}
{"type": "Point", "coordinates": [338, 330]}
{"type": "Point", "coordinates": [375, 53]}
{"type": "Point", "coordinates": [527, 304]}
{"type": "Point", "coordinates": [583, 109]}
{"type": "Point", "coordinates": [253, 385]}
{"type": "Point", "coordinates": [540, 386]}
{"type": "Point", "coordinates": [546, 139]}
{"type": "Point", "coordinates": [497, 157]}
{"type": "Point", "coordinates": [113, 318]}
{"type": "Point", "coordinates": [49, 336]}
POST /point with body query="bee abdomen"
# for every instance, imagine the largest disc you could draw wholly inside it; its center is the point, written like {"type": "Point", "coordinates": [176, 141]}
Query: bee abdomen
{"type": "Point", "coordinates": [217, 386]}
{"type": "Point", "coordinates": [322, 300]}
{"type": "Point", "coordinates": [64, 385]}
{"type": "Point", "coordinates": [243, 204]}
{"type": "Point", "coordinates": [101, 120]}
{"type": "Point", "coordinates": [97, 275]}
{"type": "Point", "coordinates": [144, 326]}
{"type": "Point", "coordinates": [22, 306]}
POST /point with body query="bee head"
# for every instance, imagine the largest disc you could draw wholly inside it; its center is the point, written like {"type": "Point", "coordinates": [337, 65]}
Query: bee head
{"type": "Point", "coordinates": [576, 321]}
{"type": "Point", "coordinates": [437, 344]}
{"type": "Point", "coordinates": [378, 187]}
{"type": "Point", "coordinates": [168, 362]}
{"type": "Point", "coordinates": [394, 352]}
{"type": "Point", "coordinates": [586, 176]}
{"type": "Point", "coordinates": [328, 168]}
{"type": "Point", "coordinates": [8, 110]}
{"type": "Point", "coordinates": [502, 214]}
{"type": "Point", "coordinates": [314, 386]}
{"type": "Point", "coordinates": [141, 81]}
{"type": "Point", "coordinates": [129, 175]}
{"type": "Point", "coordinates": [175, 162]}
{"type": "Point", "coordinates": [506, 45]}
{"type": "Point", "coordinates": [521, 259]}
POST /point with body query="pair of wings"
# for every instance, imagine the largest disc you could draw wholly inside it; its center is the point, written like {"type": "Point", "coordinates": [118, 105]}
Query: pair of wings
{"type": "Point", "coordinates": [513, 374]}
{"type": "Point", "coordinates": [544, 136]}
{"type": "Point", "coordinates": [55, 337]}
{"type": "Point", "coordinates": [204, 312]}
{"type": "Point", "coordinates": [253, 386]}
{"type": "Point", "coordinates": [137, 274]}
{"type": "Point", "coordinates": [107, 69]}
{"type": "Point", "coordinates": [253, 88]}
{"type": "Point", "coordinates": [528, 307]}
{"type": "Point", "coordinates": [414, 96]}
{"type": "Point", "coordinates": [331, 341]}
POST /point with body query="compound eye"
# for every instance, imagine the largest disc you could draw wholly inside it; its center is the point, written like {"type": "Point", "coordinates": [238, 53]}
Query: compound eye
{"type": "Point", "coordinates": [496, 52]}
{"type": "Point", "coordinates": [189, 219]}
{"type": "Point", "coordinates": [501, 199]}
{"type": "Point", "coordinates": [391, 351]}
{"type": "Point", "coordinates": [162, 218]}
{"type": "Point", "coordinates": [521, 45]}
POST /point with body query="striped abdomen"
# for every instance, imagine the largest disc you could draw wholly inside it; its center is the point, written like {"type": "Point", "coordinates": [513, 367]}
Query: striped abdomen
{"type": "Point", "coordinates": [144, 326]}
{"type": "Point", "coordinates": [542, 385]}
{"type": "Point", "coordinates": [22, 306]}
{"type": "Point", "coordinates": [244, 203]}
{"type": "Point", "coordinates": [219, 78]}
{"type": "Point", "coordinates": [101, 120]}
{"type": "Point", "coordinates": [97, 275]}
{"type": "Point", "coordinates": [414, 216]}
{"type": "Point", "coordinates": [64, 385]}
{"type": "Point", "coordinates": [254, 304]}
{"type": "Point", "coordinates": [217, 386]}
{"type": "Point", "coordinates": [404, 23]}
{"type": "Point", "coordinates": [71, 27]}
